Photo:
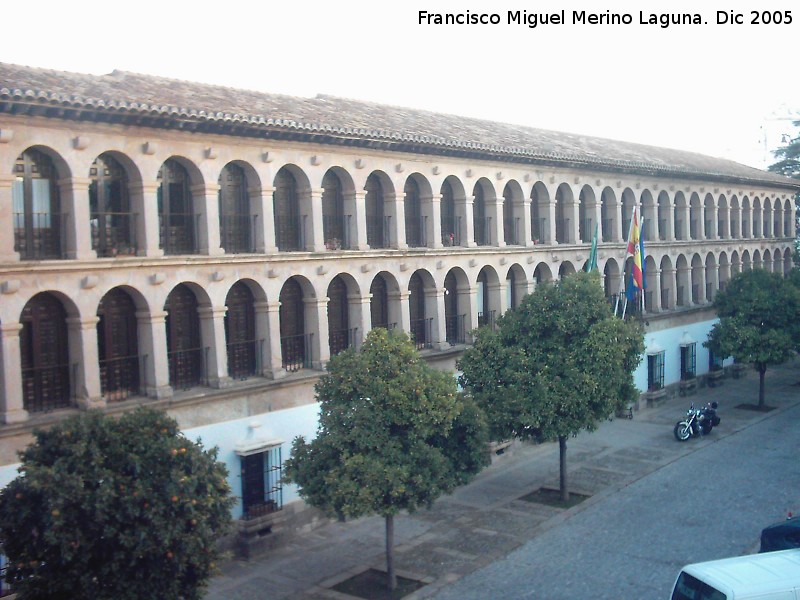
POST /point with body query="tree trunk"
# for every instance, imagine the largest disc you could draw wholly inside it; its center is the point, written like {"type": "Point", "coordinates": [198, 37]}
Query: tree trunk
{"type": "Point", "coordinates": [562, 458]}
{"type": "Point", "coordinates": [392, 578]}
{"type": "Point", "coordinates": [762, 370]}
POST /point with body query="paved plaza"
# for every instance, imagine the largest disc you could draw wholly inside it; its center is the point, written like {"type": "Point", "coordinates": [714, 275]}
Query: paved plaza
{"type": "Point", "coordinates": [485, 522]}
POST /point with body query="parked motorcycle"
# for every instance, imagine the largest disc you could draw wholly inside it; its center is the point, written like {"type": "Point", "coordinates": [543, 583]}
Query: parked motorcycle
{"type": "Point", "coordinates": [698, 421]}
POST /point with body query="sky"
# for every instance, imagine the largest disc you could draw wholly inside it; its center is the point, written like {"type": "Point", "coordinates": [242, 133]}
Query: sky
{"type": "Point", "coordinates": [728, 90]}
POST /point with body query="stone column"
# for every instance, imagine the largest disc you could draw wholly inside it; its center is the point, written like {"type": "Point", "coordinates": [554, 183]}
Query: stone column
{"type": "Point", "coordinates": [399, 311]}
{"type": "Point", "coordinates": [657, 292]}
{"type": "Point", "coordinates": [212, 334]}
{"type": "Point", "coordinates": [360, 316]}
{"type": "Point", "coordinates": [316, 313]}
{"type": "Point", "coordinates": [736, 213]}
{"type": "Point", "coordinates": [397, 230]}
{"type": "Point", "coordinates": [672, 277]}
{"type": "Point", "coordinates": [359, 208]}
{"type": "Point", "coordinates": [468, 233]}
{"type": "Point", "coordinates": [313, 228]}
{"type": "Point", "coordinates": [434, 307]}
{"type": "Point", "coordinates": [714, 224]}
{"type": "Point", "coordinates": [153, 346]}
{"type": "Point", "coordinates": [268, 329]}
{"type": "Point", "coordinates": [85, 361]}
{"type": "Point", "coordinates": [702, 283]}
{"type": "Point", "coordinates": [11, 404]}
{"type": "Point", "coordinates": [263, 215]}
{"type": "Point", "coordinates": [616, 208]}
{"type": "Point", "coordinates": [7, 252]}
{"type": "Point", "coordinates": [469, 298]}
{"type": "Point", "coordinates": [77, 240]}
{"type": "Point", "coordinates": [494, 209]}
{"type": "Point", "coordinates": [671, 221]}
{"type": "Point", "coordinates": [572, 212]}
{"type": "Point", "coordinates": [205, 200]}
{"type": "Point", "coordinates": [522, 208]}
{"type": "Point", "coordinates": [434, 229]}
{"type": "Point", "coordinates": [144, 202]}
{"type": "Point", "coordinates": [550, 211]}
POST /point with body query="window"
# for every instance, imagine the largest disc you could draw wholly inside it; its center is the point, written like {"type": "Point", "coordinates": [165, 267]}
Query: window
{"type": "Point", "coordinates": [36, 207]}
{"type": "Point", "coordinates": [690, 588]}
{"type": "Point", "coordinates": [117, 346]}
{"type": "Point", "coordinates": [175, 210]}
{"type": "Point", "coordinates": [688, 361]}
{"type": "Point", "coordinates": [235, 224]}
{"type": "Point", "coordinates": [112, 223]}
{"type": "Point", "coordinates": [288, 232]}
{"type": "Point", "coordinates": [185, 355]}
{"type": "Point", "coordinates": [240, 332]}
{"type": "Point", "coordinates": [655, 371]}
{"type": "Point", "coordinates": [714, 361]}
{"type": "Point", "coordinates": [44, 355]}
{"type": "Point", "coordinates": [262, 493]}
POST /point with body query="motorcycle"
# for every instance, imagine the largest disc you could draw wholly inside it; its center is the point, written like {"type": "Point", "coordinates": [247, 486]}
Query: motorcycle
{"type": "Point", "coordinates": [698, 422]}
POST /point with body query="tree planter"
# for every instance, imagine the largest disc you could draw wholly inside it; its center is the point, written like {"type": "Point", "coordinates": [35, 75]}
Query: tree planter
{"type": "Point", "coordinates": [655, 398]}
{"type": "Point", "coordinates": [738, 370]}
{"type": "Point", "coordinates": [715, 377]}
{"type": "Point", "coordinates": [688, 386]}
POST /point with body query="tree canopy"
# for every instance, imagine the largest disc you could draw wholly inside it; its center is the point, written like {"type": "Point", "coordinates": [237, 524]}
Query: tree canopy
{"type": "Point", "coordinates": [556, 365]}
{"type": "Point", "coordinates": [394, 434]}
{"type": "Point", "coordinates": [788, 156]}
{"type": "Point", "coordinates": [759, 321]}
{"type": "Point", "coordinates": [105, 508]}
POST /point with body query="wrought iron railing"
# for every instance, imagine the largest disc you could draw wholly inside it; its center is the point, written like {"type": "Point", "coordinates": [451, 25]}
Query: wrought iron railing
{"type": "Point", "coordinates": [417, 232]}
{"type": "Point", "coordinates": [451, 231]}
{"type": "Point", "coordinates": [486, 318]}
{"type": "Point", "coordinates": [178, 233]}
{"type": "Point", "coordinates": [37, 236]}
{"type": "Point", "coordinates": [608, 230]}
{"type": "Point", "coordinates": [342, 339]}
{"type": "Point", "coordinates": [113, 234]}
{"type": "Point", "coordinates": [336, 229]}
{"type": "Point", "coordinates": [187, 368]}
{"type": "Point", "coordinates": [421, 331]}
{"type": "Point", "coordinates": [46, 388]}
{"type": "Point", "coordinates": [119, 378]}
{"type": "Point", "coordinates": [296, 351]}
{"type": "Point", "coordinates": [511, 231]}
{"type": "Point", "coordinates": [288, 233]}
{"type": "Point", "coordinates": [483, 231]}
{"type": "Point", "coordinates": [378, 234]}
{"type": "Point", "coordinates": [237, 233]}
{"type": "Point", "coordinates": [244, 358]}
{"type": "Point", "coordinates": [454, 329]}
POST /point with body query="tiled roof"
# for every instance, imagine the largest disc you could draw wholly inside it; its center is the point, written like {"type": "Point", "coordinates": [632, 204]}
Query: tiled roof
{"type": "Point", "coordinates": [122, 95]}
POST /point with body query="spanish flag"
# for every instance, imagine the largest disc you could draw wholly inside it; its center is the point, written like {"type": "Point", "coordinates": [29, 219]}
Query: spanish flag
{"type": "Point", "coordinates": [635, 249]}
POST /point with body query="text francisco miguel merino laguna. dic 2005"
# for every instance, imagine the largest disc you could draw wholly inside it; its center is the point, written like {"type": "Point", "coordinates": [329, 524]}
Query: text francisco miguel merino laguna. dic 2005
{"type": "Point", "coordinates": [582, 17]}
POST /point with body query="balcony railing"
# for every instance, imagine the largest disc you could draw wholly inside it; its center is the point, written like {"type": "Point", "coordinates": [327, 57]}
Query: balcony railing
{"type": "Point", "coordinates": [37, 236]}
{"type": "Point", "coordinates": [296, 351]}
{"type": "Point", "coordinates": [451, 231]}
{"type": "Point", "coordinates": [342, 339]}
{"type": "Point", "coordinates": [563, 234]}
{"type": "Point", "coordinates": [486, 318]}
{"type": "Point", "coordinates": [113, 234]}
{"type": "Point", "coordinates": [187, 367]}
{"type": "Point", "coordinates": [178, 233]}
{"type": "Point", "coordinates": [417, 232]}
{"type": "Point", "coordinates": [421, 332]}
{"type": "Point", "coordinates": [119, 378]}
{"type": "Point", "coordinates": [46, 388]}
{"type": "Point", "coordinates": [483, 232]}
{"type": "Point", "coordinates": [244, 358]}
{"type": "Point", "coordinates": [337, 231]}
{"type": "Point", "coordinates": [237, 233]}
{"type": "Point", "coordinates": [454, 329]}
{"type": "Point", "coordinates": [511, 231]}
{"type": "Point", "coordinates": [378, 231]}
{"type": "Point", "coordinates": [608, 230]}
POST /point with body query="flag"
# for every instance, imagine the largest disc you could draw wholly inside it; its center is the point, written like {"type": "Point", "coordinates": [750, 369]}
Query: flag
{"type": "Point", "coordinates": [591, 264]}
{"type": "Point", "coordinates": [635, 249]}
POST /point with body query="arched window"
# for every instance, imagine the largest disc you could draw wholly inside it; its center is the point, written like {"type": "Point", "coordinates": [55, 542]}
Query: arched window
{"type": "Point", "coordinates": [453, 322]}
{"type": "Point", "coordinates": [185, 354]}
{"type": "Point", "coordinates": [240, 332]}
{"type": "Point", "coordinates": [379, 303]}
{"type": "Point", "coordinates": [340, 336]}
{"type": "Point", "coordinates": [485, 316]}
{"type": "Point", "coordinates": [415, 228]}
{"type": "Point", "coordinates": [44, 355]}
{"type": "Point", "coordinates": [295, 350]}
{"type": "Point", "coordinates": [36, 207]}
{"type": "Point", "coordinates": [451, 226]}
{"type": "Point", "coordinates": [112, 222]}
{"type": "Point", "coordinates": [118, 346]}
{"type": "Point", "coordinates": [480, 221]}
{"type": "Point", "coordinates": [288, 233]}
{"type": "Point", "coordinates": [420, 326]}
{"type": "Point", "coordinates": [175, 210]}
{"type": "Point", "coordinates": [377, 224]}
{"type": "Point", "coordinates": [235, 224]}
{"type": "Point", "coordinates": [334, 227]}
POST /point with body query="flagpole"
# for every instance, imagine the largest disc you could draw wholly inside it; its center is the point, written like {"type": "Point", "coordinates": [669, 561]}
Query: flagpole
{"type": "Point", "coordinates": [641, 254]}
{"type": "Point", "coordinates": [622, 276]}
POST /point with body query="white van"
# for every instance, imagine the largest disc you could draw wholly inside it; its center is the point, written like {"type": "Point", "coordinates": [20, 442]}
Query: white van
{"type": "Point", "coordinates": [767, 576]}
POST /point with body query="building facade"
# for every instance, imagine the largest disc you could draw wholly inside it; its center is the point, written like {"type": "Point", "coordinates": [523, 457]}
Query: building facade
{"type": "Point", "coordinates": [207, 250]}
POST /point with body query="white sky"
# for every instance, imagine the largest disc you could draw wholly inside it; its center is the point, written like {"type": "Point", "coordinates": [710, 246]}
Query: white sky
{"type": "Point", "coordinates": [709, 88]}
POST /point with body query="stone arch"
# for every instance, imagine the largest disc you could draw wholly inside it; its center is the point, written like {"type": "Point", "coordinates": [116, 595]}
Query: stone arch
{"type": "Point", "coordinates": [540, 214]}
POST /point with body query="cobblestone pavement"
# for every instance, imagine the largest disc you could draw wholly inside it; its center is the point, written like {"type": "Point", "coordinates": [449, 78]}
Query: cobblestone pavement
{"type": "Point", "coordinates": [483, 523]}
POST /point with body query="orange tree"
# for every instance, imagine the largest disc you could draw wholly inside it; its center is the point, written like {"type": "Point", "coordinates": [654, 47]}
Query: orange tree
{"type": "Point", "coordinates": [557, 364]}
{"type": "Point", "coordinates": [114, 509]}
{"type": "Point", "coordinates": [394, 434]}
